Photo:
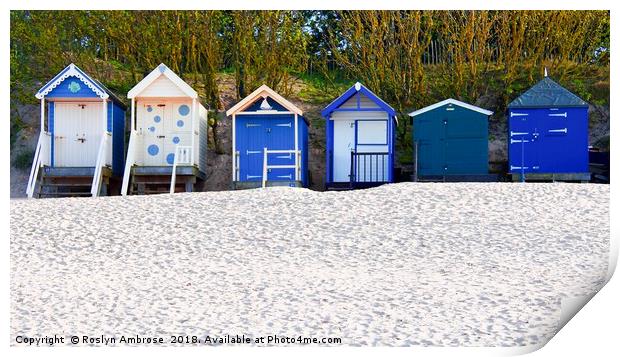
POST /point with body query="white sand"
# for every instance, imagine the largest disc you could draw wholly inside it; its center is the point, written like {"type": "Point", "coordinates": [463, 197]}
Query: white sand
{"type": "Point", "coordinates": [404, 264]}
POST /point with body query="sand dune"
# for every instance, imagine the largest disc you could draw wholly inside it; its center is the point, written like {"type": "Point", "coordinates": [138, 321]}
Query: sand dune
{"type": "Point", "coordinates": [402, 265]}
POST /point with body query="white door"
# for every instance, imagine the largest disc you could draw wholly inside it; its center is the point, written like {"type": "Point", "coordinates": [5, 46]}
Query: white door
{"type": "Point", "coordinates": [77, 132]}
{"type": "Point", "coordinates": [178, 129]}
{"type": "Point", "coordinates": [151, 121]}
{"type": "Point", "coordinates": [344, 143]}
{"type": "Point", "coordinates": [372, 138]}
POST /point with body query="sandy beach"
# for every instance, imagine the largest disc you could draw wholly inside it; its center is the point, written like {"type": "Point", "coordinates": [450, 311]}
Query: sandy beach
{"type": "Point", "coordinates": [407, 264]}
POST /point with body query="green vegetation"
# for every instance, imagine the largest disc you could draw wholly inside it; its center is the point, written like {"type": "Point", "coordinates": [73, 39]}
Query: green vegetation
{"type": "Point", "coordinates": [23, 159]}
{"type": "Point", "coordinates": [409, 58]}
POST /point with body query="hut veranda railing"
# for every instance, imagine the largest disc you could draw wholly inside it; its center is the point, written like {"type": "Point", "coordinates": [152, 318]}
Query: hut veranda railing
{"type": "Point", "coordinates": [183, 155]}
{"type": "Point", "coordinates": [40, 155]}
{"type": "Point", "coordinates": [266, 165]}
{"type": "Point", "coordinates": [101, 162]}
{"type": "Point", "coordinates": [369, 167]}
{"type": "Point", "coordinates": [135, 141]}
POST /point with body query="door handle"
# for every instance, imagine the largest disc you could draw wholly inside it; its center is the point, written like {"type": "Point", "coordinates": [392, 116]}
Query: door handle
{"type": "Point", "coordinates": [161, 136]}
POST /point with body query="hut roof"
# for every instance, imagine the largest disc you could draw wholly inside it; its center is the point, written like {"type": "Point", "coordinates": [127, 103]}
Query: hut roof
{"type": "Point", "coordinates": [357, 88]}
{"type": "Point", "coordinates": [454, 102]}
{"type": "Point", "coordinates": [162, 69]}
{"type": "Point", "coordinates": [74, 71]}
{"type": "Point", "coordinates": [547, 93]}
{"type": "Point", "coordinates": [263, 91]}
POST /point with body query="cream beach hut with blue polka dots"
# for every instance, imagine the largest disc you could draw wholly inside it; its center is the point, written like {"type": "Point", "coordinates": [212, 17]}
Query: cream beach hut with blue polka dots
{"type": "Point", "coordinates": [168, 144]}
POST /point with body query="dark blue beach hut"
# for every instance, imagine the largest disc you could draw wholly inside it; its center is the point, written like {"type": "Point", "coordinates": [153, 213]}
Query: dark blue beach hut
{"type": "Point", "coordinates": [451, 140]}
{"type": "Point", "coordinates": [270, 141]}
{"type": "Point", "coordinates": [548, 134]}
{"type": "Point", "coordinates": [360, 134]}
{"type": "Point", "coordinates": [81, 147]}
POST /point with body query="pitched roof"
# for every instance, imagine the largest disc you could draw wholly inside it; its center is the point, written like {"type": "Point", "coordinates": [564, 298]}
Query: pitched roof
{"type": "Point", "coordinates": [547, 93]}
{"type": "Point", "coordinates": [162, 69]}
{"type": "Point", "coordinates": [454, 102]}
{"type": "Point", "coordinates": [357, 88]}
{"type": "Point", "coordinates": [263, 91]}
{"type": "Point", "coordinates": [74, 71]}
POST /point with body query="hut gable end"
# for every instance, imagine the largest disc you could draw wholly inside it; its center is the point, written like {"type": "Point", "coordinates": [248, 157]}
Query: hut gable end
{"type": "Point", "coordinates": [358, 98]}
{"type": "Point", "coordinates": [162, 87]}
{"type": "Point", "coordinates": [547, 93]}
{"type": "Point", "coordinates": [162, 82]}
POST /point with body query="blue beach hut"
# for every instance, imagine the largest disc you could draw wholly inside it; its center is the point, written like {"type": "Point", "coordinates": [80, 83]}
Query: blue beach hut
{"type": "Point", "coordinates": [360, 134]}
{"type": "Point", "coordinates": [548, 134]}
{"type": "Point", "coordinates": [269, 141]}
{"type": "Point", "coordinates": [81, 146]}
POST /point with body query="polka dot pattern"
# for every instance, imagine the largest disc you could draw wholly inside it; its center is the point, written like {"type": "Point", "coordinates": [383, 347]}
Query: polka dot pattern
{"type": "Point", "coordinates": [183, 110]}
{"type": "Point", "coordinates": [153, 150]}
{"type": "Point", "coordinates": [180, 123]}
{"type": "Point", "coordinates": [149, 108]}
{"type": "Point", "coordinates": [157, 118]}
{"type": "Point", "coordinates": [176, 140]}
{"type": "Point", "coordinates": [152, 129]}
{"type": "Point", "coordinates": [170, 158]}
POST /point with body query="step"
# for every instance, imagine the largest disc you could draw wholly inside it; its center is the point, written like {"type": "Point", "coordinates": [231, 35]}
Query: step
{"type": "Point", "coordinates": [45, 184]}
{"type": "Point", "coordinates": [65, 194]}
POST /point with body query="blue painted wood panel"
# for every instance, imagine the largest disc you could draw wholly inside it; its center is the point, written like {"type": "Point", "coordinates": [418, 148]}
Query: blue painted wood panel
{"type": "Point", "coordinates": [548, 140]}
{"type": "Point", "coordinates": [275, 132]}
{"type": "Point", "coordinates": [72, 87]}
{"type": "Point", "coordinates": [452, 140]}
{"type": "Point", "coordinates": [118, 138]}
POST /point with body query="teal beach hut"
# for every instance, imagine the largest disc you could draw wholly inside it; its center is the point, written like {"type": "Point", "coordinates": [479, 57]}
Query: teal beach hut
{"type": "Point", "coordinates": [451, 140]}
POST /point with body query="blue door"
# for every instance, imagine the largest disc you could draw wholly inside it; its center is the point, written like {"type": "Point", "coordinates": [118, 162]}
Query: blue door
{"type": "Point", "coordinates": [524, 142]}
{"type": "Point", "coordinates": [565, 139]}
{"type": "Point", "coordinates": [256, 132]}
{"type": "Point", "coordinates": [281, 136]}
{"type": "Point", "coordinates": [250, 140]}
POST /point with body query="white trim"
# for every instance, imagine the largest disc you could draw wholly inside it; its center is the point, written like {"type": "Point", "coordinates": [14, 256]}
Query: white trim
{"type": "Point", "coordinates": [133, 114]}
{"type": "Point", "coordinates": [296, 147]}
{"type": "Point", "coordinates": [234, 150]}
{"type": "Point", "coordinates": [162, 69]}
{"type": "Point", "coordinates": [43, 114]}
{"type": "Point", "coordinates": [194, 110]}
{"type": "Point", "coordinates": [454, 102]}
{"type": "Point", "coordinates": [72, 72]}
{"type": "Point", "coordinates": [263, 112]}
{"type": "Point", "coordinates": [263, 91]}
{"type": "Point", "coordinates": [105, 115]}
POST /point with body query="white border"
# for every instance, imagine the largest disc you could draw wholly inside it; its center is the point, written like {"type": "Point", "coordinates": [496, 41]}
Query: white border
{"type": "Point", "coordinates": [451, 101]}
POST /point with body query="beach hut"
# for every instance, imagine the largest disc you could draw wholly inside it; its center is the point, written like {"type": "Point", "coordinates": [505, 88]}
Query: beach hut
{"type": "Point", "coordinates": [269, 141]}
{"type": "Point", "coordinates": [360, 134]}
{"type": "Point", "coordinates": [548, 134]}
{"type": "Point", "coordinates": [168, 143]}
{"type": "Point", "coordinates": [451, 141]}
{"type": "Point", "coordinates": [81, 146]}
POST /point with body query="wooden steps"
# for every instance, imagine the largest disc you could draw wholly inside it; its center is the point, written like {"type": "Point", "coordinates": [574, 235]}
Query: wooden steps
{"type": "Point", "coordinates": [70, 182]}
{"type": "Point", "coordinates": [146, 180]}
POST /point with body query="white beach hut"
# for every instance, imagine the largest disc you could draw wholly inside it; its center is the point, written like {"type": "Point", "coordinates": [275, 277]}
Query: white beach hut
{"type": "Point", "coordinates": [168, 143]}
{"type": "Point", "coordinates": [81, 147]}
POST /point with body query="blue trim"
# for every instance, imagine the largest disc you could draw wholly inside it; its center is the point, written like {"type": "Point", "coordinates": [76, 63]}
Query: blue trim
{"type": "Point", "coordinates": [86, 76]}
{"type": "Point", "coordinates": [50, 128]}
{"type": "Point", "coordinates": [97, 84]}
{"type": "Point", "coordinates": [355, 137]}
{"type": "Point", "coordinates": [53, 80]}
{"type": "Point", "coordinates": [352, 91]}
{"type": "Point", "coordinates": [329, 150]}
{"type": "Point", "coordinates": [110, 115]}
